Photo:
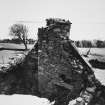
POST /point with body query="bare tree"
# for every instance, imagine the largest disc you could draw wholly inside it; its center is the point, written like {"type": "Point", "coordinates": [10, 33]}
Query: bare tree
{"type": "Point", "coordinates": [19, 31]}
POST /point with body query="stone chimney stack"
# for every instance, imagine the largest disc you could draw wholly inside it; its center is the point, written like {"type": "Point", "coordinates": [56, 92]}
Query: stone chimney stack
{"type": "Point", "coordinates": [58, 28]}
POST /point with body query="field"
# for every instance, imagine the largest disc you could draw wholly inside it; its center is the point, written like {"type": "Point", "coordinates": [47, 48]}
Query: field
{"type": "Point", "coordinates": [13, 46]}
{"type": "Point", "coordinates": [7, 56]}
{"type": "Point", "coordinates": [98, 53]}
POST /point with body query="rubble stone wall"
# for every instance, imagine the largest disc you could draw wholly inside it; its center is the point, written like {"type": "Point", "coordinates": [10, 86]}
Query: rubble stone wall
{"type": "Point", "coordinates": [53, 69]}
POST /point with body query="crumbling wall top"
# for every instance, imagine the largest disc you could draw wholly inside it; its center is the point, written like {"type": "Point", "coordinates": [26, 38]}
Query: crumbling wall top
{"type": "Point", "coordinates": [52, 21]}
{"type": "Point", "coordinates": [55, 28]}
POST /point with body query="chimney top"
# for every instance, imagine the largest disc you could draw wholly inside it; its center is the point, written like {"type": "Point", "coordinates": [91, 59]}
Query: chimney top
{"type": "Point", "coordinates": [55, 21]}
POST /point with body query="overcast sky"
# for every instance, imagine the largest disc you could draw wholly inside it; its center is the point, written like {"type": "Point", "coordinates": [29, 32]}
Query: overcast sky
{"type": "Point", "coordinates": [87, 16]}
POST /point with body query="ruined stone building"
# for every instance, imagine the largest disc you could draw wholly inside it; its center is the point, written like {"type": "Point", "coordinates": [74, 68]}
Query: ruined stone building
{"type": "Point", "coordinates": [54, 69]}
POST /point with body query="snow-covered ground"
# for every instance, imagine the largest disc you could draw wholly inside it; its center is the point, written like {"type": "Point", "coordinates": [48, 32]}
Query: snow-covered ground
{"type": "Point", "coordinates": [100, 75]}
{"type": "Point", "coordinates": [22, 100]}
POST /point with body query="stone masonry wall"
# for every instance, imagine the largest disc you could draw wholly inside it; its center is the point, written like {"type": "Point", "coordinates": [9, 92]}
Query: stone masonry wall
{"type": "Point", "coordinates": [54, 69]}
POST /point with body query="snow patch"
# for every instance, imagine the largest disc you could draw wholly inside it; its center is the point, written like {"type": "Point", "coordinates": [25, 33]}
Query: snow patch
{"type": "Point", "coordinates": [22, 100]}
{"type": "Point", "coordinates": [100, 75]}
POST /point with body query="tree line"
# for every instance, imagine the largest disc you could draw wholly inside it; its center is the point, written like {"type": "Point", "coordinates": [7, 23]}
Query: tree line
{"type": "Point", "coordinates": [90, 44]}
{"type": "Point", "coordinates": [17, 41]}
{"type": "Point", "coordinates": [81, 43]}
